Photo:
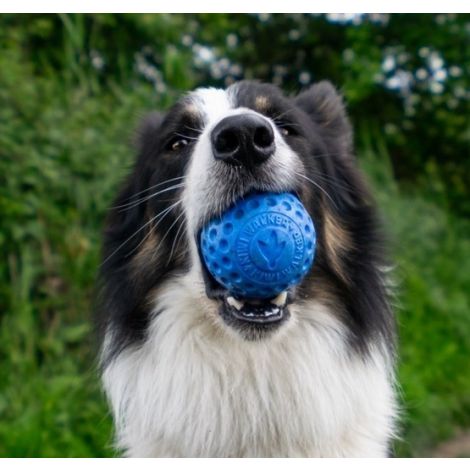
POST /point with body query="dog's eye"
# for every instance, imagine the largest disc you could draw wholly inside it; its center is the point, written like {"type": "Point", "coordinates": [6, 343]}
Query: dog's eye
{"type": "Point", "coordinates": [178, 143]}
{"type": "Point", "coordinates": [286, 129]}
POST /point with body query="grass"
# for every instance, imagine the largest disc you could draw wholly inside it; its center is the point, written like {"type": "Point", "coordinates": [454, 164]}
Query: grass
{"type": "Point", "coordinates": [63, 150]}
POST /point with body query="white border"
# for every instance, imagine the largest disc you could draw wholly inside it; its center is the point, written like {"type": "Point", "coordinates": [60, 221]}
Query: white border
{"type": "Point", "coordinates": [233, 464]}
{"type": "Point", "coordinates": [237, 6]}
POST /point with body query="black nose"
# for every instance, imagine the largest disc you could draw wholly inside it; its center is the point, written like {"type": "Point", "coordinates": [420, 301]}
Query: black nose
{"type": "Point", "coordinates": [243, 139]}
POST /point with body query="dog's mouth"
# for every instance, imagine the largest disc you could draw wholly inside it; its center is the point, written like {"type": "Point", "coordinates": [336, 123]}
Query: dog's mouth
{"type": "Point", "coordinates": [252, 317]}
{"type": "Point", "coordinates": [257, 311]}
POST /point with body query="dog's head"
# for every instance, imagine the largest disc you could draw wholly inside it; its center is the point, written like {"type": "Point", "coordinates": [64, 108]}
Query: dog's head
{"type": "Point", "coordinates": [209, 150]}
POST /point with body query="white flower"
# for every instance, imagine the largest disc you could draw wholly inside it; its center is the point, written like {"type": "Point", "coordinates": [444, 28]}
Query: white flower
{"type": "Point", "coordinates": [422, 74]}
{"type": "Point", "coordinates": [440, 75]}
{"type": "Point", "coordinates": [232, 40]}
{"type": "Point", "coordinates": [388, 63]}
{"type": "Point", "coordinates": [435, 61]}
{"type": "Point", "coordinates": [424, 52]}
{"type": "Point", "coordinates": [436, 87]}
{"type": "Point", "coordinates": [304, 78]}
{"type": "Point", "coordinates": [455, 71]}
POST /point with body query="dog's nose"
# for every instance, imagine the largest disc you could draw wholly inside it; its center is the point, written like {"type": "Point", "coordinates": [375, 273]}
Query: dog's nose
{"type": "Point", "coordinates": [243, 139]}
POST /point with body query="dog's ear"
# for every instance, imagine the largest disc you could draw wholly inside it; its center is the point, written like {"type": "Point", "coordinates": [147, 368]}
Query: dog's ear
{"type": "Point", "coordinates": [325, 106]}
{"type": "Point", "coordinates": [148, 130]}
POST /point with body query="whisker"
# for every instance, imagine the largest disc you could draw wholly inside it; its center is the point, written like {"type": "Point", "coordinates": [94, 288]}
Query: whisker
{"type": "Point", "coordinates": [199, 131]}
{"type": "Point", "coordinates": [327, 154]}
{"type": "Point", "coordinates": [152, 187]}
{"type": "Point", "coordinates": [282, 114]}
{"type": "Point", "coordinates": [341, 185]}
{"type": "Point", "coordinates": [173, 246]}
{"type": "Point", "coordinates": [167, 211]}
{"type": "Point", "coordinates": [310, 180]}
{"type": "Point", "coordinates": [318, 186]}
{"type": "Point", "coordinates": [185, 136]}
{"type": "Point", "coordinates": [132, 204]}
{"type": "Point", "coordinates": [336, 184]}
{"type": "Point", "coordinates": [290, 124]}
{"type": "Point", "coordinates": [181, 239]}
{"type": "Point", "coordinates": [162, 213]}
{"type": "Point", "coordinates": [167, 232]}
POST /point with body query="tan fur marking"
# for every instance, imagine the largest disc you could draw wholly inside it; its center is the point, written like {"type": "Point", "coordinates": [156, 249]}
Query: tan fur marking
{"type": "Point", "coordinates": [261, 103]}
{"type": "Point", "coordinates": [337, 241]}
{"type": "Point", "coordinates": [323, 292]}
{"type": "Point", "coordinates": [146, 252]}
{"type": "Point", "coordinates": [192, 109]}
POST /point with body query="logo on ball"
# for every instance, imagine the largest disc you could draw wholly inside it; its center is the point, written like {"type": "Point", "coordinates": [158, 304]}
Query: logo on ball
{"type": "Point", "coordinates": [269, 247]}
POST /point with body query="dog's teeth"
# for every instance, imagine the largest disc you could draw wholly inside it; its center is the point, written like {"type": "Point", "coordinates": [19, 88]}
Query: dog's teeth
{"type": "Point", "coordinates": [273, 311]}
{"type": "Point", "coordinates": [235, 303]}
{"type": "Point", "coordinates": [280, 300]}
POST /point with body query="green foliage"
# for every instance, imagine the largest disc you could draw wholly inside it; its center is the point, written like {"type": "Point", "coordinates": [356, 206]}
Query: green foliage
{"type": "Point", "coordinates": [72, 88]}
{"type": "Point", "coordinates": [431, 250]}
{"type": "Point", "coordinates": [63, 149]}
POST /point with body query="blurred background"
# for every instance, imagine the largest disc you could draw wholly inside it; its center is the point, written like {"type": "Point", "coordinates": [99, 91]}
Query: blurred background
{"type": "Point", "coordinates": [73, 88]}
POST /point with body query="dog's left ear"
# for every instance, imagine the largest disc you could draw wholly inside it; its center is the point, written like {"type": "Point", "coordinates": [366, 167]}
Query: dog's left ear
{"type": "Point", "coordinates": [325, 107]}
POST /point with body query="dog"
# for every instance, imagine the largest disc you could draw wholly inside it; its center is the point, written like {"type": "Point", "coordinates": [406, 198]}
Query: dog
{"type": "Point", "coordinates": [187, 377]}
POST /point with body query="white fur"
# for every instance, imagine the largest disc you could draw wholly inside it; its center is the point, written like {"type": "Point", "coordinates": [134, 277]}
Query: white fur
{"type": "Point", "coordinates": [197, 389]}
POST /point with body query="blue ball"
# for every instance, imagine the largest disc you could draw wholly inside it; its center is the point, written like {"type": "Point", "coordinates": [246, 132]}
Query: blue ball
{"type": "Point", "coordinates": [261, 246]}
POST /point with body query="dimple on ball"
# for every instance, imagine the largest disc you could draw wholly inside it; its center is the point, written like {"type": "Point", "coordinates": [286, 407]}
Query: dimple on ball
{"type": "Point", "coordinates": [261, 246]}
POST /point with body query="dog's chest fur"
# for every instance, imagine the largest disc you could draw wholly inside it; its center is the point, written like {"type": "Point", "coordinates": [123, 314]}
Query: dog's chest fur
{"type": "Point", "coordinates": [193, 390]}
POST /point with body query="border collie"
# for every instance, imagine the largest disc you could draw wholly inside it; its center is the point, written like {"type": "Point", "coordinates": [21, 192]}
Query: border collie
{"type": "Point", "coordinates": [185, 375]}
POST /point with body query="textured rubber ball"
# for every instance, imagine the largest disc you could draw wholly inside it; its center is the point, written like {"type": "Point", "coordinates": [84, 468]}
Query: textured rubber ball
{"type": "Point", "coordinates": [259, 247]}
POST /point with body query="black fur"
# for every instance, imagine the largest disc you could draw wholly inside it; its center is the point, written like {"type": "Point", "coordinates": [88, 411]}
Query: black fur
{"type": "Point", "coordinates": [124, 293]}
{"type": "Point", "coordinates": [320, 133]}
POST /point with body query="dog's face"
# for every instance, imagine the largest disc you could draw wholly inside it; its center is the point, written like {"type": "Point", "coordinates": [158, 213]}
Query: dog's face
{"type": "Point", "coordinates": [209, 150]}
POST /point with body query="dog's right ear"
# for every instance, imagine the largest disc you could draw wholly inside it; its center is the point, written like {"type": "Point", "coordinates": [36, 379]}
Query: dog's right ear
{"type": "Point", "coordinates": [325, 106]}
